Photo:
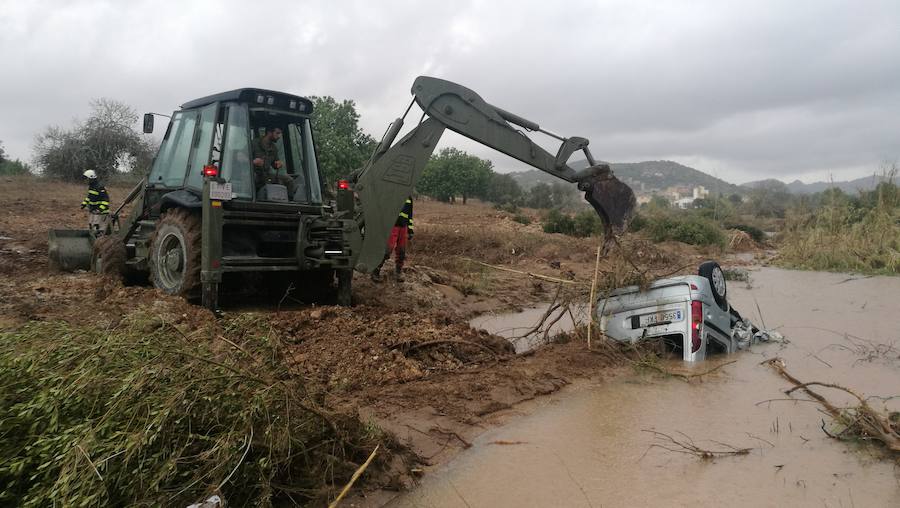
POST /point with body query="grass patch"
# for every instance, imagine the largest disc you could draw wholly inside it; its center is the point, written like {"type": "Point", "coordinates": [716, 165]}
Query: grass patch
{"type": "Point", "coordinates": [844, 237]}
{"type": "Point", "coordinates": [150, 414]}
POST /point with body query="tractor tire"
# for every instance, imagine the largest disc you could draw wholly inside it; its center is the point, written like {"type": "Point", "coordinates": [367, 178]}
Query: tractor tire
{"type": "Point", "coordinates": [716, 277]}
{"type": "Point", "coordinates": [108, 257]}
{"type": "Point", "coordinates": [175, 253]}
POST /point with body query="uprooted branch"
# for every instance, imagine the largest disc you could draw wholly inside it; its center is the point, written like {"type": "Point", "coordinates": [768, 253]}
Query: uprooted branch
{"type": "Point", "coordinates": [558, 308]}
{"type": "Point", "coordinates": [861, 422]}
{"type": "Point", "coordinates": [686, 445]}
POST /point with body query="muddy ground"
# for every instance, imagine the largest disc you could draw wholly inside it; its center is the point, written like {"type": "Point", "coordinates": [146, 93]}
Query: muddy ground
{"type": "Point", "coordinates": [404, 354]}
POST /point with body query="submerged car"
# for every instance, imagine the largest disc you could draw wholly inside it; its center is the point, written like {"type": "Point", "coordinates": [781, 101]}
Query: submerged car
{"type": "Point", "coordinates": [689, 313]}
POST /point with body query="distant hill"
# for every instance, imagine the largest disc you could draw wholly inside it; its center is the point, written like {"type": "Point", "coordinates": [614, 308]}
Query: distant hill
{"type": "Point", "coordinates": [643, 177]}
{"type": "Point", "coordinates": [798, 187]}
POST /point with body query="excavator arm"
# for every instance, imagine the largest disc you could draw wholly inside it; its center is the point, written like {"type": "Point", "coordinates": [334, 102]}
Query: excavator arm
{"type": "Point", "coordinates": [394, 168]}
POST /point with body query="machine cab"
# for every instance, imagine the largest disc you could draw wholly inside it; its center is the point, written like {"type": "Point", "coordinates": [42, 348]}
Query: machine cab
{"type": "Point", "coordinates": [224, 133]}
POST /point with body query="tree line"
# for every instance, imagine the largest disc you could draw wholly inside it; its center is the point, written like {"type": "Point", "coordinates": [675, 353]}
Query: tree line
{"type": "Point", "coordinates": [454, 174]}
{"type": "Point", "coordinates": [11, 167]}
{"type": "Point", "coordinates": [108, 142]}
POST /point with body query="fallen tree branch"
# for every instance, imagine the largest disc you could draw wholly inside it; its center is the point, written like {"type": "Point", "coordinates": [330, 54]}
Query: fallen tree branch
{"type": "Point", "coordinates": [530, 274]}
{"type": "Point", "coordinates": [687, 446]}
{"type": "Point", "coordinates": [862, 422]}
{"type": "Point", "coordinates": [353, 479]}
{"type": "Point", "coordinates": [550, 309]}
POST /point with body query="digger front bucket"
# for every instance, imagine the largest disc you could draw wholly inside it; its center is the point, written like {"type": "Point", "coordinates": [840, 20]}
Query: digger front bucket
{"type": "Point", "coordinates": [613, 200]}
{"type": "Point", "coordinates": [70, 249]}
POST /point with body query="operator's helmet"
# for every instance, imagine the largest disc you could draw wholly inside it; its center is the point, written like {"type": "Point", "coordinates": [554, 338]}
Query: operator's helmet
{"type": "Point", "coordinates": [90, 174]}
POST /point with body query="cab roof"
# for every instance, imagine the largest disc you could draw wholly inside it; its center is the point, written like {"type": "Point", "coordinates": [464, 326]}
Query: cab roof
{"type": "Point", "coordinates": [256, 96]}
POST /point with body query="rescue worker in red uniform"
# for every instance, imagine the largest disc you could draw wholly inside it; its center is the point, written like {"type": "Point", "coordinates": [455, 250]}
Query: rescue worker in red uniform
{"type": "Point", "coordinates": [400, 234]}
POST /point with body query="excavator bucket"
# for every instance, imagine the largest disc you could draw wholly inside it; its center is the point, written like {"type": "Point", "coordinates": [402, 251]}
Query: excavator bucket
{"type": "Point", "coordinates": [613, 200]}
{"type": "Point", "coordinates": [70, 249]}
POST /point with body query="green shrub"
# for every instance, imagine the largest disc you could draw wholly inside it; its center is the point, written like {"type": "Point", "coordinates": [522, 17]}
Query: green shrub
{"type": "Point", "coordinates": [507, 207]}
{"type": "Point", "coordinates": [15, 167]}
{"type": "Point", "coordinates": [585, 223]}
{"type": "Point", "coordinates": [558, 222]}
{"type": "Point", "coordinates": [588, 223]}
{"type": "Point", "coordinates": [638, 222]}
{"type": "Point", "coordinates": [522, 218]}
{"type": "Point", "coordinates": [684, 228]}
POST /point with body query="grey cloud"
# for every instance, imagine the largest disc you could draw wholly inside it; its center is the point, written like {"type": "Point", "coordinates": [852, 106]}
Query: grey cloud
{"type": "Point", "coordinates": [745, 89]}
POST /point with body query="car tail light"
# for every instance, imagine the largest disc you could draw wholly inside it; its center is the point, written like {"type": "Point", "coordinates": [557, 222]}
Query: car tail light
{"type": "Point", "coordinates": [210, 171]}
{"type": "Point", "coordinates": [343, 184]}
{"type": "Point", "coordinates": [696, 321]}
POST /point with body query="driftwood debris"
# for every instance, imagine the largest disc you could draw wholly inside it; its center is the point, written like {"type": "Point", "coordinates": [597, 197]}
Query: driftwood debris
{"type": "Point", "coordinates": [860, 422]}
{"type": "Point", "coordinates": [686, 445]}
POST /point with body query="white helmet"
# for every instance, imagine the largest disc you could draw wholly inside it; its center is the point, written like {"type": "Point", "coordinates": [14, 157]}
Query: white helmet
{"type": "Point", "coordinates": [90, 174]}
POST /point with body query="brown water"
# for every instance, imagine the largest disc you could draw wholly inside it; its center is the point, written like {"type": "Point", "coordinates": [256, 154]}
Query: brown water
{"type": "Point", "coordinates": [586, 445]}
{"type": "Point", "coordinates": [516, 326]}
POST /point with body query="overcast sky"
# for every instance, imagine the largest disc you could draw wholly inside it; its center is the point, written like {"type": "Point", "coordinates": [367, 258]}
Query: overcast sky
{"type": "Point", "coordinates": [741, 90]}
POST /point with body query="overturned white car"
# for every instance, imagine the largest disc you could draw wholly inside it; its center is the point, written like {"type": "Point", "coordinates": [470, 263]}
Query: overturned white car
{"type": "Point", "coordinates": [690, 313]}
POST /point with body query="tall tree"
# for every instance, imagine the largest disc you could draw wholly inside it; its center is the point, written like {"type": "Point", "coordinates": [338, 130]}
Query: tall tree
{"type": "Point", "coordinates": [341, 145]}
{"type": "Point", "coordinates": [2, 153]}
{"type": "Point", "coordinates": [540, 196]}
{"type": "Point", "coordinates": [453, 173]}
{"type": "Point", "coordinates": [106, 142]}
{"type": "Point", "coordinates": [502, 189]}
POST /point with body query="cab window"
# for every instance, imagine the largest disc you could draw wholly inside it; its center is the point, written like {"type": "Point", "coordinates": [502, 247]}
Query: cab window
{"type": "Point", "coordinates": [236, 166]}
{"type": "Point", "coordinates": [295, 151]}
{"type": "Point", "coordinates": [171, 163]}
{"type": "Point", "coordinates": [201, 148]}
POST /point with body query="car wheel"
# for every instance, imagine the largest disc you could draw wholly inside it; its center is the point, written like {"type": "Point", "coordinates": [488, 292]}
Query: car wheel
{"type": "Point", "coordinates": [713, 272]}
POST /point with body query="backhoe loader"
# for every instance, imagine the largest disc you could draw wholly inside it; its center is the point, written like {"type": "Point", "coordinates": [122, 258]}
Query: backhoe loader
{"type": "Point", "coordinates": [204, 211]}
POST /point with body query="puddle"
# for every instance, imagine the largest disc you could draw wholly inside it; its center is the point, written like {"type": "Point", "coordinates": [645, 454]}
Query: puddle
{"type": "Point", "coordinates": [516, 325]}
{"type": "Point", "coordinates": [587, 447]}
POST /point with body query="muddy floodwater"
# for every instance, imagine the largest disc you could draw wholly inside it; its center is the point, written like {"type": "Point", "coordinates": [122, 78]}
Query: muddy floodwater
{"type": "Point", "coordinates": [589, 446]}
{"type": "Point", "coordinates": [518, 326]}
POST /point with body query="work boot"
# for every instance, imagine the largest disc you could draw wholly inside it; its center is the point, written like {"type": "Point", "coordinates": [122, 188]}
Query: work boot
{"type": "Point", "coordinates": [376, 276]}
{"type": "Point", "coordinates": [398, 275]}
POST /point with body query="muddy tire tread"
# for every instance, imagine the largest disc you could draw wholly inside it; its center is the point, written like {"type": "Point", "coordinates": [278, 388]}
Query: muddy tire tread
{"type": "Point", "coordinates": [112, 253]}
{"type": "Point", "coordinates": [190, 226]}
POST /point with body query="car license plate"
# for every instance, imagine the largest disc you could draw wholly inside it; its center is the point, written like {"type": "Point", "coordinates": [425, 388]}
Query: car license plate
{"type": "Point", "coordinates": [669, 316]}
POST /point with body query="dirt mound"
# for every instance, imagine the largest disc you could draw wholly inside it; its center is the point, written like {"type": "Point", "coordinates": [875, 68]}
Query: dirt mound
{"type": "Point", "coordinates": [351, 349]}
{"type": "Point", "coordinates": [741, 241]}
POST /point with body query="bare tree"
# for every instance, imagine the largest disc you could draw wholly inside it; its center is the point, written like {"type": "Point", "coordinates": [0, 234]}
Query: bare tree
{"type": "Point", "coordinates": [106, 142]}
